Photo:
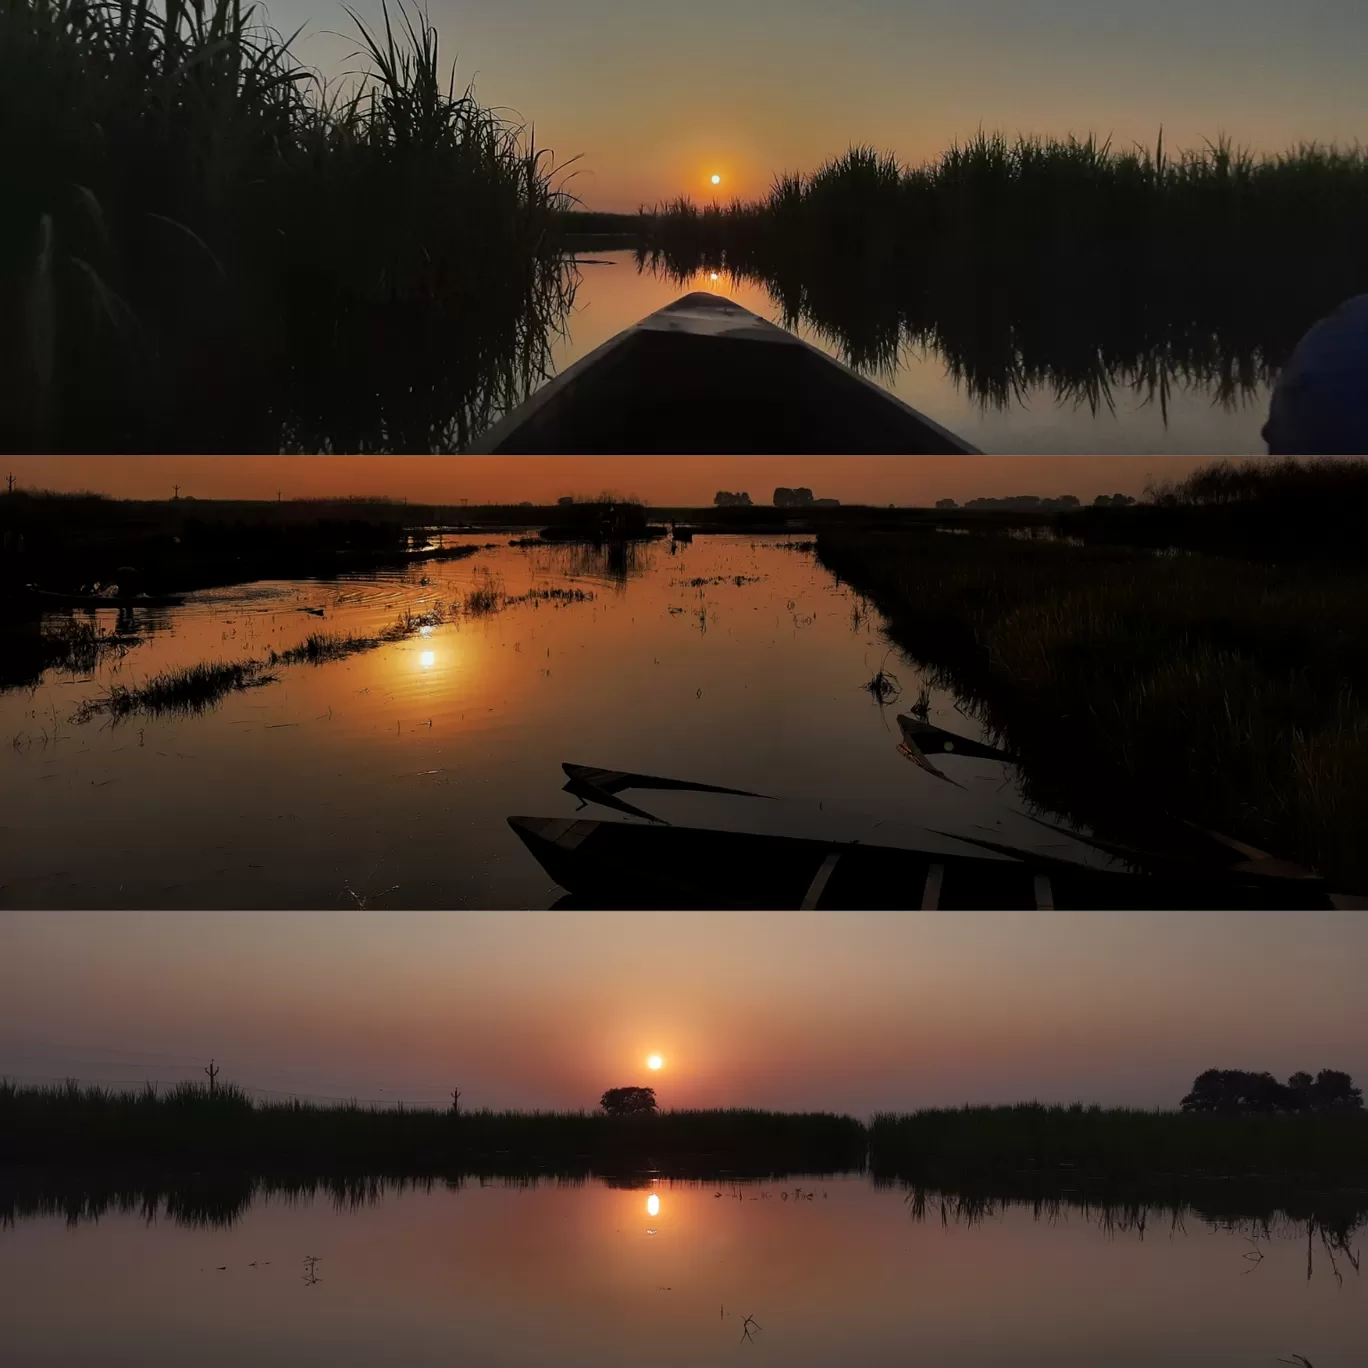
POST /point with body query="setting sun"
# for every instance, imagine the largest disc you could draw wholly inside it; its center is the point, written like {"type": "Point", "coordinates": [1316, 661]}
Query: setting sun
{"type": "Point", "coordinates": [717, 180]}
{"type": "Point", "coordinates": [654, 1062]}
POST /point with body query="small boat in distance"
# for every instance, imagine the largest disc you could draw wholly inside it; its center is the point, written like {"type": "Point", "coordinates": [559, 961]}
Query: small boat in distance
{"type": "Point", "coordinates": [703, 376]}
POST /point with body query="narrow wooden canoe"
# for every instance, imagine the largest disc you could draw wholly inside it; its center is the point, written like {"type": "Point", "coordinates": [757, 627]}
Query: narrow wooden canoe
{"type": "Point", "coordinates": [591, 784]}
{"type": "Point", "coordinates": [930, 739]}
{"type": "Point", "coordinates": [703, 376]}
{"type": "Point", "coordinates": [616, 864]}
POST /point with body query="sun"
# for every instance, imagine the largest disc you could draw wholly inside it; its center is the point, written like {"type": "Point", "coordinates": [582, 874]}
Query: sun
{"type": "Point", "coordinates": [717, 180]}
{"type": "Point", "coordinates": [654, 1062]}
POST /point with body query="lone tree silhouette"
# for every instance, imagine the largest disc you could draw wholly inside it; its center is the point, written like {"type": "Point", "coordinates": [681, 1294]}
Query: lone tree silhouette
{"type": "Point", "coordinates": [628, 1101]}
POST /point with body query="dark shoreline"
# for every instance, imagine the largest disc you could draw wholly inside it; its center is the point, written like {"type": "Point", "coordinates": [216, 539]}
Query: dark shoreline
{"type": "Point", "coordinates": [187, 1128]}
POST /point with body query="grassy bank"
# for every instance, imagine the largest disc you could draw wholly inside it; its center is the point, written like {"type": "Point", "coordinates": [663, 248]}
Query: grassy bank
{"type": "Point", "coordinates": [997, 1144]}
{"type": "Point", "coordinates": [187, 1128]}
{"type": "Point", "coordinates": [1068, 264]}
{"type": "Point", "coordinates": [1225, 691]}
{"type": "Point", "coordinates": [205, 249]}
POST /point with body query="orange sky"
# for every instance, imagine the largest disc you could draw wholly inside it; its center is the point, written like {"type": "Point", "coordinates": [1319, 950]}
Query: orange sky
{"type": "Point", "coordinates": [674, 480]}
{"type": "Point", "coordinates": [655, 99]}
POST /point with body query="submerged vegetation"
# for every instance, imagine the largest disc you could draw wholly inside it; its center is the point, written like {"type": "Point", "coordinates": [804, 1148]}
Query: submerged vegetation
{"type": "Point", "coordinates": [205, 248]}
{"type": "Point", "coordinates": [1136, 688]}
{"type": "Point", "coordinates": [191, 689]}
{"type": "Point", "coordinates": [1066, 264]}
{"type": "Point", "coordinates": [197, 688]}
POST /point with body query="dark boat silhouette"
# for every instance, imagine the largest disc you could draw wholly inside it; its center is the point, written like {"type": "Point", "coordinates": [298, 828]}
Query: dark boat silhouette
{"type": "Point", "coordinates": [703, 376]}
{"type": "Point", "coordinates": [619, 864]}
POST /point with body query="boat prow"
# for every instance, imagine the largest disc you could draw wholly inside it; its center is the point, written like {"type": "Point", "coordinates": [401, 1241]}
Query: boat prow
{"type": "Point", "coordinates": [704, 376]}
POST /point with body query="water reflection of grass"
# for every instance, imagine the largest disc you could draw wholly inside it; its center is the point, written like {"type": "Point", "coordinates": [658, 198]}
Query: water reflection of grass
{"type": "Point", "coordinates": [68, 646]}
{"type": "Point", "coordinates": [220, 254]}
{"type": "Point", "coordinates": [1227, 692]}
{"type": "Point", "coordinates": [1062, 264]}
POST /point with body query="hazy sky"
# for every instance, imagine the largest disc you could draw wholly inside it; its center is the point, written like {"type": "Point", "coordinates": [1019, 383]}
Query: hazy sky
{"type": "Point", "coordinates": [858, 1012]}
{"type": "Point", "coordinates": [664, 480]}
{"type": "Point", "coordinates": [656, 98]}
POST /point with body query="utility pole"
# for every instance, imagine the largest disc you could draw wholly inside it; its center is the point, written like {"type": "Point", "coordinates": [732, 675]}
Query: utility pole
{"type": "Point", "coordinates": [456, 1101]}
{"type": "Point", "coordinates": [277, 496]}
{"type": "Point", "coordinates": [213, 1073]}
{"type": "Point", "coordinates": [10, 481]}
{"type": "Point", "coordinates": [176, 495]}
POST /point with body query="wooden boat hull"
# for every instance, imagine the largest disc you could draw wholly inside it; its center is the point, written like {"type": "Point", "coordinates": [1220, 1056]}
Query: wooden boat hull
{"type": "Point", "coordinates": [704, 376]}
{"type": "Point", "coordinates": [614, 864]}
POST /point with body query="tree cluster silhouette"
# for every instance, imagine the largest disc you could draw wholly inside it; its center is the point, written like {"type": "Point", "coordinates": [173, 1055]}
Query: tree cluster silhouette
{"type": "Point", "coordinates": [1239, 1090]}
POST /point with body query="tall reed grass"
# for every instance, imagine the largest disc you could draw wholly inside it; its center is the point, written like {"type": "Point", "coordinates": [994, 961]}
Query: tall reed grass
{"type": "Point", "coordinates": [1064, 263]}
{"type": "Point", "coordinates": [204, 247]}
{"type": "Point", "coordinates": [188, 1127]}
{"type": "Point", "coordinates": [986, 1142]}
{"type": "Point", "coordinates": [1137, 687]}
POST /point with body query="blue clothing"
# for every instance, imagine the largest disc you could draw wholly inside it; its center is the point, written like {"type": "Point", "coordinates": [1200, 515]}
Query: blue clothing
{"type": "Point", "coordinates": [1320, 403]}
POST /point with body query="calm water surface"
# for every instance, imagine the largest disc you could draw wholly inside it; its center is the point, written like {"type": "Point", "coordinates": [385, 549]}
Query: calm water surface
{"type": "Point", "coordinates": [668, 1274]}
{"type": "Point", "coordinates": [387, 778]}
{"type": "Point", "coordinates": [613, 294]}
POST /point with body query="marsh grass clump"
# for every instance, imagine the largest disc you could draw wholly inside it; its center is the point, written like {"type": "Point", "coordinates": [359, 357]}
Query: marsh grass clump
{"type": "Point", "coordinates": [486, 598]}
{"type": "Point", "coordinates": [206, 248]}
{"type": "Point", "coordinates": [192, 689]}
{"type": "Point", "coordinates": [555, 595]}
{"type": "Point", "coordinates": [321, 647]}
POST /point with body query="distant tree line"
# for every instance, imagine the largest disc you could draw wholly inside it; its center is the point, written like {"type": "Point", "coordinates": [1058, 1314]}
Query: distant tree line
{"type": "Point", "coordinates": [726, 499]}
{"type": "Point", "coordinates": [1020, 503]}
{"type": "Point", "coordinates": [1238, 1090]}
{"type": "Point", "coordinates": [801, 498]}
